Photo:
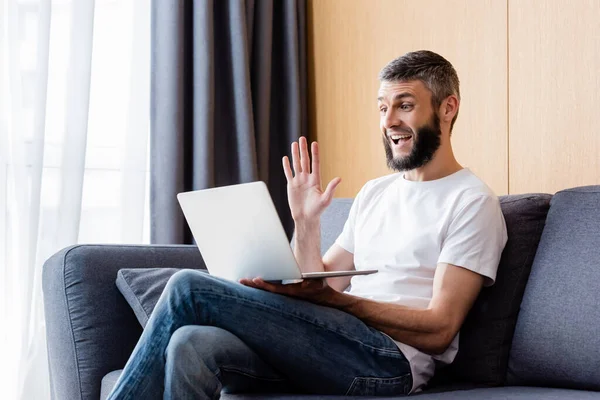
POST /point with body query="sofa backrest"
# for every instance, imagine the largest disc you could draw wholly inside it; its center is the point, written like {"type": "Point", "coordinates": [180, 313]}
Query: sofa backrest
{"type": "Point", "coordinates": [557, 336]}
{"type": "Point", "coordinates": [333, 220]}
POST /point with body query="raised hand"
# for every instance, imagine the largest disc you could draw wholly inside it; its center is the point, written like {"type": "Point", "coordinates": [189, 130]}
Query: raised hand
{"type": "Point", "coordinates": [306, 198]}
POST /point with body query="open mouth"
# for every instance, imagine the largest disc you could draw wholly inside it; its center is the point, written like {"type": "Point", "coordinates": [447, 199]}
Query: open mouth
{"type": "Point", "coordinates": [400, 138]}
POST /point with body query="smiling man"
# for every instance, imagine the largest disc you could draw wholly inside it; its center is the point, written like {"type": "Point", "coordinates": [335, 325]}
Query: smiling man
{"type": "Point", "coordinates": [433, 230]}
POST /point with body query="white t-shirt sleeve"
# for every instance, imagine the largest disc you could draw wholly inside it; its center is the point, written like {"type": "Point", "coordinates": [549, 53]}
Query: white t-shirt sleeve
{"type": "Point", "coordinates": [346, 239]}
{"type": "Point", "coordinates": [476, 237]}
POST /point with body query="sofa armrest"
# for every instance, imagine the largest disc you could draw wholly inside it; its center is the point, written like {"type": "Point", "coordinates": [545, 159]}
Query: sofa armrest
{"type": "Point", "coordinates": [90, 329]}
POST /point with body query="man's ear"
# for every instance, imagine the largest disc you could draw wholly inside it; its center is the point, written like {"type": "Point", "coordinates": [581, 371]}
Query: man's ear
{"type": "Point", "coordinates": [449, 108]}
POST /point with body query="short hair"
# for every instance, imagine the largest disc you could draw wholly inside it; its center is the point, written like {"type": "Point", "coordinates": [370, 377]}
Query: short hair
{"type": "Point", "coordinates": [436, 73]}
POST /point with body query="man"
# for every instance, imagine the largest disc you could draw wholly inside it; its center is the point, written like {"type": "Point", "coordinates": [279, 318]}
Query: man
{"type": "Point", "coordinates": [433, 230]}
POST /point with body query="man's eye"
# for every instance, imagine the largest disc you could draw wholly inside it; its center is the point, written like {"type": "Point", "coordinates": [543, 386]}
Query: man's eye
{"type": "Point", "coordinates": [406, 107]}
{"type": "Point", "coordinates": [383, 110]}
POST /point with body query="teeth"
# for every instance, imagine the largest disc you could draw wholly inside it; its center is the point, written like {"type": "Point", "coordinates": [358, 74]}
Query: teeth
{"type": "Point", "coordinates": [396, 137]}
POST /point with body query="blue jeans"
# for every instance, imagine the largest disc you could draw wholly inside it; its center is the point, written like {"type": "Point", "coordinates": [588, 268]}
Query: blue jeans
{"type": "Point", "coordinates": [207, 335]}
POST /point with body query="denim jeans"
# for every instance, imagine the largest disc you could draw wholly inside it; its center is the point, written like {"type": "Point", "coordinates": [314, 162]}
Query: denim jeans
{"type": "Point", "coordinates": [207, 335]}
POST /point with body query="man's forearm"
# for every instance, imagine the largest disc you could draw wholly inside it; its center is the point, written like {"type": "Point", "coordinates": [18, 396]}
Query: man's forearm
{"type": "Point", "coordinates": [419, 328]}
{"type": "Point", "coordinates": [307, 246]}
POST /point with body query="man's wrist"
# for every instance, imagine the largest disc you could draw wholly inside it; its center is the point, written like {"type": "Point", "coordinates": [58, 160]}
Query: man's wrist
{"type": "Point", "coordinates": [306, 224]}
{"type": "Point", "coordinates": [335, 299]}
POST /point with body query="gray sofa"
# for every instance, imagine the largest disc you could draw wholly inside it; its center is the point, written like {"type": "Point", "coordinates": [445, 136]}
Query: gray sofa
{"type": "Point", "coordinates": [534, 335]}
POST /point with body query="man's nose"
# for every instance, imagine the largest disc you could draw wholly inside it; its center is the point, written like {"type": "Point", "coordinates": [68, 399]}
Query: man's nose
{"type": "Point", "coordinates": [391, 120]}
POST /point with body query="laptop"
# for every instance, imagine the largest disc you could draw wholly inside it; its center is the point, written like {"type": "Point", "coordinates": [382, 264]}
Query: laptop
{"type": "Point", "coordinates": [239, 235]}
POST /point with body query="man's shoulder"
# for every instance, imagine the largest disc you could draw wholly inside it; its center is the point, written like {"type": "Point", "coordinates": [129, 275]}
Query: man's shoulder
{"type": "Point", "coordinates": [471, 188]}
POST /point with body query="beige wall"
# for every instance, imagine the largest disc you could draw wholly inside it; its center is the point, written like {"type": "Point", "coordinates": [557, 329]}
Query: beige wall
{"type": "Point", "coordinates": [526, 121]}
{"type": "Point", "coordinates": [554, 94]}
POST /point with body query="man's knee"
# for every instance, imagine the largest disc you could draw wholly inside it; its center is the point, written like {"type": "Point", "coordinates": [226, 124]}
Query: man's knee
{"type": "Point", "coordinates": [191, 278]}
{"type": "Point", "coordinates": [185, 281]}
{"type": "Point", "coordinates": [180, 345]}
{"type": "Point", "coordinates": [193, 343]}
{"type": "Point", "coordinates": [188, 373]}
{"type": "Point", "coordinates": [194, 357]}
{"type": "Point", "coordinates": [185, 278]}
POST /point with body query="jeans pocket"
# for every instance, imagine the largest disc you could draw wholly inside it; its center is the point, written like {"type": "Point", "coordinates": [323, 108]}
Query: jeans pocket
{"type": "Point", "coordinates": [366, 386]}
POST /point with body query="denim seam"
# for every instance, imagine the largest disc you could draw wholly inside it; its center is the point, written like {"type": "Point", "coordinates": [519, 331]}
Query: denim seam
{"type": "Point", "coordinates": [250, 375]}
{"type": "Point", "coordinates": [351, 388]}
{"type": "Point", "coordinates": [395, 352]}
{"type": "Point", "coordinates": [137, 373]}
{"type": "Point", "coordinates": [217, 393]}
{"type": "Point", "coordinates": [383, 380]}
{"type": "Point", "coordinates": [357, 379]}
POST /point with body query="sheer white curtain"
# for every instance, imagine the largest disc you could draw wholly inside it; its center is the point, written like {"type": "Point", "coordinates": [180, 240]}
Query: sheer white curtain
{"type": "Point", "coordinates": [74, 124]}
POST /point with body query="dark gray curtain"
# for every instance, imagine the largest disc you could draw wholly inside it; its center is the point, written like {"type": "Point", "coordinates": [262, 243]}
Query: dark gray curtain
{"type": "Point", "coordinates": [228, 97]}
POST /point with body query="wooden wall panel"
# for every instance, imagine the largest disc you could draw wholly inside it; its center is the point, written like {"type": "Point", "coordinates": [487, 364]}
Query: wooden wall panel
{"type": "Point", "coordinates": [554, 92]}
{"type": "Point", "coordinates": [349, 41]}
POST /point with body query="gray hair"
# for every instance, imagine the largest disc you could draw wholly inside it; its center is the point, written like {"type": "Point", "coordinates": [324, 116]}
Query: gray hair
{"type": "Point", "coordinates": [436, 73]}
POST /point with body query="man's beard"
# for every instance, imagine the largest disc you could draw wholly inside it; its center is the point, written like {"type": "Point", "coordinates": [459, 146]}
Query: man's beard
{"type": "Point", "coordinates": [426, 141]}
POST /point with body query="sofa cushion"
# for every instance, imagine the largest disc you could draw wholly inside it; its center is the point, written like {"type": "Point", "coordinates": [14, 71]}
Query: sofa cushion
{"type": "Point", "coordinates": [486, 335]}
{"type": "Point", "coordinates": [557, 340]}
{"type": "Point", "coordinates": [142, 288]}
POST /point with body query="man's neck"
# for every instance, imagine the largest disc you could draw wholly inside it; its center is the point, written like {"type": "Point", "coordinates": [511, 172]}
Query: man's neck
{"type": "Point", "coordinates": [442, 165]}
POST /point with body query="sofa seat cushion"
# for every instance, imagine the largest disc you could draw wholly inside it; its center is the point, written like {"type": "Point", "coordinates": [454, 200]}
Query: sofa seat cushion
{"type": "Point", "coordinates": [495, 393]}
{"type": "Point", "coordinates": [498, 393]}
{"type": "Point", "coordinates": [557, 337]}
{"type": "Point", "coordinates": [108, 383]}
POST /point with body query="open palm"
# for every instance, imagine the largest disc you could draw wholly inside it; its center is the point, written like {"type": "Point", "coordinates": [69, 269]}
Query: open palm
{"type": "Point", "coordinates": [306, 198]}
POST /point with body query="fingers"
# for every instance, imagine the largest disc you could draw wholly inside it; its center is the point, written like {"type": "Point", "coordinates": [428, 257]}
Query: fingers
{"type": "Point", "coordinates": [269, 287]}
{"type": "Point", "coordinates": [328, 194]}
{"type": "Point", "coordinates": [256, 283]}
{"type": "Point", "coordinates": [304, 157]}
{"type": "Point", "coordinates": [247, 282]}
{"type": "Point", "coordinates": [287, 170]}
{"type": "Point", "coordinates": [301, 160]}
{"type": "Point", "coordinates": [315, 160]}
{"type": "Point", "coordinates": [296, 159]}
{"type": "Point", "coordinates": [263, 285]}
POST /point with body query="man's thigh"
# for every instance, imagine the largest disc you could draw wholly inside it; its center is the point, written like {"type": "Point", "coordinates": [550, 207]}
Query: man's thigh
{"type": "Point", "coordinates": [317, 348]}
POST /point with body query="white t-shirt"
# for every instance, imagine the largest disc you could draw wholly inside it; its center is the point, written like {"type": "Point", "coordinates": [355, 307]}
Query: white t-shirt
{"type": "Point", "coordinates": [405, 228]}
